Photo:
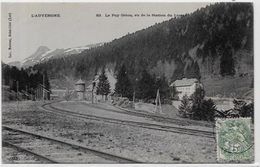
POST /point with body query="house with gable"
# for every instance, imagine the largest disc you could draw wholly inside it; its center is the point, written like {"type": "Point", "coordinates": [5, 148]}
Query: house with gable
{"type": "Point", "coordinates": [186, 86]}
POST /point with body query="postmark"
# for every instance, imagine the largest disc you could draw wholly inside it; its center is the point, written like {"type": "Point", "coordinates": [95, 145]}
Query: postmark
{"type": "Point", "coordinates": [234, 140]}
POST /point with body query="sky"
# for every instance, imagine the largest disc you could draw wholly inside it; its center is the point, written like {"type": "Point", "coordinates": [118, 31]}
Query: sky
{"type": "Point", "coordinates": [77, 25]}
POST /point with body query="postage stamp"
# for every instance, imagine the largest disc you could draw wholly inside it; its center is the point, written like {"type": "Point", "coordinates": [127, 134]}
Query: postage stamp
{"type": "Point", "coordinates": [234, 139]}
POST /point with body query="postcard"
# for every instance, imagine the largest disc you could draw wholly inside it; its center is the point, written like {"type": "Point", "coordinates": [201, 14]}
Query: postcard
{"type": "Point", "coordinates": [124, 83]}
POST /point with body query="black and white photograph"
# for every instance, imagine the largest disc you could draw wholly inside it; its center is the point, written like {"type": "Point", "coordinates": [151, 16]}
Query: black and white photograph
{"type": "Point", "coordinates": [127, 83]}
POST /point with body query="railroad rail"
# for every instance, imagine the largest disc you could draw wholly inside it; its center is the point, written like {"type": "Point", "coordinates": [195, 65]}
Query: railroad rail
{"type": "Point", "coordinates": [39, 157]}
{"type": "Point", "coordinates": [55, 150]}
{"type": "Point", "coordinates": [154, 117]}
{"type": "Point", "coordinates": [48, 107]}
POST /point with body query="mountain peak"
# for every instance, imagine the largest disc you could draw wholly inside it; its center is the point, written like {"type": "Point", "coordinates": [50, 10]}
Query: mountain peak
{"type": "Point", "coordinates": [43, 53]}
{"type": "Point", "coordinates": [42, 48]}
{"type": "Point", "coordinates": [35, 56]}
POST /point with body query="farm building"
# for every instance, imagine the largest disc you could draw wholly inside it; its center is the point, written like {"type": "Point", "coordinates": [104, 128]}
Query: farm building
{"type": "Point", "coordinates": [186, 86]}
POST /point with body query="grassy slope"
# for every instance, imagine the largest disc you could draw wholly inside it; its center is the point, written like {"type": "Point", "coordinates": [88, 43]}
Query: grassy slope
{"type": "Point", "coordinates": [228, 86]}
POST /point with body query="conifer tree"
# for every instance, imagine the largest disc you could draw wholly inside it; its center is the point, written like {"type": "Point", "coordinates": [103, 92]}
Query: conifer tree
{"type": "Point", "coordinates": [103, 87]}
{"type": "Point", "coordinates": [46, 83]}
{"type": "Point", "coordinates": [162, 85]}
{"type": "Point", "coordinates": [123, 85]}
{"type": "Point", "coordinates": [185, 109]}
{"type": "Point", "coordinates": [146, 86]}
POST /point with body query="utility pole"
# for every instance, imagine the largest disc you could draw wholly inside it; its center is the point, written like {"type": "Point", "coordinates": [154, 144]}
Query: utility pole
{"type": "Point", "coordinates": [17, 88]}
{"type": "Point", "coordinates": [43, 87]}
{"type": "Point", "coordinates": [134, 99]}
{"type": "Point", "coordinates": [135, 87]}
{"type": "Point", "coordinates": [92, 92]}
{"type": "Point", "coordinates": [158, 102]}
{"type": "Point", "coordinates": [26, 90]}
{"type": "Point", "coordinates": [92, 95]}
{"type": "Point", "coordinates": [134, 96]}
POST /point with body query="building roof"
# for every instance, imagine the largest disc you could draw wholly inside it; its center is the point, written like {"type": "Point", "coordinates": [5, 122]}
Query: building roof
{"type": "Point", "coordinates": [184, 82]}
{"type": "Point", "coordinates": [79, 82]}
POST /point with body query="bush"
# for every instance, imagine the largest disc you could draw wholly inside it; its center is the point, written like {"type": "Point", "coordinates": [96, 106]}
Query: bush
{"type": "Point", "coordinates": [205, 111]}
{"type": "Point", "coordinates": [68, 95]}
{"type": "Point", "coordinates": [244, 109]}
{"type": "Point", "coordinates": [167, 101]}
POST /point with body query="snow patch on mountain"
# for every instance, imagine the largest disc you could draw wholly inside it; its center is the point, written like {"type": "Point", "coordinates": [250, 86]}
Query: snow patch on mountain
{"type": "Point", "coordinates": [77, 49]}
{"type": "Point", "coordinates": [43, 53]}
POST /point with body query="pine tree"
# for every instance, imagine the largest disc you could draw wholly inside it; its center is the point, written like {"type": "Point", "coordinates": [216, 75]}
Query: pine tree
{"type": "Point", "coordinates": [185, 109]}
{"type": "Point", "coordinates": [197, 98]}
{"type": "Point", "coordinates": [103, 87]}
{"type": "Point", "coordinates": [123, 85]}
{"type": "Point", "coordinates": [146, 86]}
{"type": "Point", "coordinates": [202, 109]}
{"type": "Point", "coordinates": [207, 110]}
{"type": "Point", "coordinates": [46, 83]}
{"type": "Point", "coordinates": [162, 85]}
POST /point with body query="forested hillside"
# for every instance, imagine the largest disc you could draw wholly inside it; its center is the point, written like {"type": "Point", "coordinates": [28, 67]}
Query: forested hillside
{"type": "Point", "coordinates": [23, 80]}
{"type": "Point", "coordinates": [212, 42]}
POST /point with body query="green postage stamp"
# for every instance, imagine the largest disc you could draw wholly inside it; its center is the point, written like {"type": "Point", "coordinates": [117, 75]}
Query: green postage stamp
{"type": "Point", "coordinates": [234, 140]}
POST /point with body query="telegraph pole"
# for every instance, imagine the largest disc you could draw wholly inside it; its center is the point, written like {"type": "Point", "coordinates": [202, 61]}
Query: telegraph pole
{"type": "Point", "coordinates": [26, 90]}
{"type": "Point", "coordinates": [92, 92]}
{"type": "Point", "coordinates": [17, 88]}
{"type": "Point", "coordinates": [17, 94]}
{"type": "Point", "coordinates": [135, 86]}
{"type": "Point", "coordinates": [43, 87]}
{"type": "Point", "coordinates": [134, 97]}
{"type": "Point", "coordinates": [158, 102]}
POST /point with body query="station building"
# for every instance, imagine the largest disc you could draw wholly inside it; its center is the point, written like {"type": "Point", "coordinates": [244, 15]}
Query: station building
{"type": "Point", "coordinates": [186, 86]}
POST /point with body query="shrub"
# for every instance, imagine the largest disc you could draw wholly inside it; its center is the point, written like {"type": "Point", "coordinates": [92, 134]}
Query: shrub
{"type": "Point", "coordinates": [205, 111]}
{"type": "Point", "coordinates": [244, 109]}
{"type": "Point", "coordinates": [68, 95]}
{"type": "Point", "coordinates": [167, 101]}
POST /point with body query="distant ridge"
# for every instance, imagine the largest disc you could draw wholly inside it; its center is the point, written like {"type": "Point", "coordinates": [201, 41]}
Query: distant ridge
{"type": "Point", "coordinates": [43, 53]}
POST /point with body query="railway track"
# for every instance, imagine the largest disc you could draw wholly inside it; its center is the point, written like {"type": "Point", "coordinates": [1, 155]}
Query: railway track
{"type": "Point", "coordinates": [48, 107]}
{"type": "Point", "coordinates": [154, 117]}
{"type": "Point", "coordinates": [27, 157]}
{"type": "Point", "coordinates": [52, 150]}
